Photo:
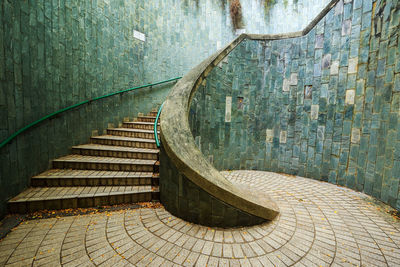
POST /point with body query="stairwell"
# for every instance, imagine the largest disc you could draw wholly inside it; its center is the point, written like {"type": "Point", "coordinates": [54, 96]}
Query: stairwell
{"type": "Point", "coordinates": [117, 168]}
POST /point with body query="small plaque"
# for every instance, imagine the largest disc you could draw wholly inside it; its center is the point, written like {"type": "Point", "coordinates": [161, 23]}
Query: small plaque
{"type": "Point", "coordinates": [282, 137]}
{"type": "Point", "coordinates": [353, 62]}
{"type": "Point", "coordinates": [228, 109]}
{"type": "Point", "coordinates": [269, 135]}
{"type": "Point", "coordinates": [355, 135]}
{"type": "Point", "coordinates": [140, 36]}
{"type": "Point", "coordinates": [286, 84]}
{"type": "Point", "coordinates": [293, 79]}
{"type": "Point", "coordinates": [346, 27]}
{"type": "Point", "coordinates": [335, 68]}
{"type": "Point", "coordinates": [350, 94]}
{"type": "Point", "coordinates": [314, 112]}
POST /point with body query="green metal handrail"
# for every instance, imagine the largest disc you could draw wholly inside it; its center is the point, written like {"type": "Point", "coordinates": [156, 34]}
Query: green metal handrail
{"type": "Point", "coordinates": [155, 126]}
{"type": "Point", "coordinates": [6, 141]}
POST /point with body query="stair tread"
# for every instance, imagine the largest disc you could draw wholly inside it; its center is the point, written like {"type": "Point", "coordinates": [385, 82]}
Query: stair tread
{"type": "Point", "coordinates": [116, 148]}
{"type": "Point", "coordinates": [132, 130]}
{"type": "Point", "coordinates": [124, 138]}
{"type": "Point", "coordinates": [141, 122]}
{"type": "Point", "coordinates": [147, 116]}
{"type": "Point", "coordinates": [94, 159]}
{"type": "Point", "coordinates": [51, 193]}
{"type": "Point", "coordinates": [71, 173]}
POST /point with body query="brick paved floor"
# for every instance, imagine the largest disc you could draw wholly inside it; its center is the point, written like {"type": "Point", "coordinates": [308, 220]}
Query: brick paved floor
{"type": "Point", "coordinates": [319, 225]}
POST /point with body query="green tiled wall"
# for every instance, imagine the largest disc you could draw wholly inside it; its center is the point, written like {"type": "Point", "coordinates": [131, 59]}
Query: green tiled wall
{"type": "Point", "coordinates": [57, 53]}
{"type": "Point", "coordinates": [325, 106]}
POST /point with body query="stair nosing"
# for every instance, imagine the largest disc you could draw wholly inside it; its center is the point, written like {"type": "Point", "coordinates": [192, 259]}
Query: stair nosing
{"type": "Point", "coordinates": [146, 116]}
{"type": "Point", "coordinates": [91, 177]}
{"type": "Point", "coordinates": [132, 130]}
{"type": "Point", "coordinates": [131, 149]}
{"type": "Point", "coordinates": [124, 138]}
{"type": "Point", "coordinates": [141, 122]}
{"type": "Point", "coordinates": [106, 162]}
{"type": "Point", "coordinates": [152, 189]}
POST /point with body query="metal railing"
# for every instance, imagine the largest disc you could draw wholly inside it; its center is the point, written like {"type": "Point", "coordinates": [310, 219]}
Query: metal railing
{"type": "Point", "coordinates": [14, 135]}
{"type": "Point", "coordinates": [155, 126]}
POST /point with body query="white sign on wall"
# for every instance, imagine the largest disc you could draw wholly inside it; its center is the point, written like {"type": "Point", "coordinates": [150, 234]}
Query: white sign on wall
{"type": "Point", "coordinates": [139, 35]}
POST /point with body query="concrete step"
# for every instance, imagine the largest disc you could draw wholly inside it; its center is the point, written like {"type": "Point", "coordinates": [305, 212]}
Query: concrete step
{"type": "Point", "coordinates": [53, 198]}
{"type": "Point", "coordinates": [113, 140]}
{"type": "Point", "coordinates": [140, 125]}
{"type": "Point", "coordinates": [153, 113]}
{"type": "Point", "coordinates": [115, 151]}
{"type": "Point", "coordinates": [146, 118]}
{"type": "Point", "coordinates": [104, 163]}
{"type": "Point", "coordinates": [135, 133]}
{"type": "Point", "coordinates": [68, 177]}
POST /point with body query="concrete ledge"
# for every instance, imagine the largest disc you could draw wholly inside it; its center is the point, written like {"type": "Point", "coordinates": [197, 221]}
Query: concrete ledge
{"type": "Point", "coordinates": [178, 144]}
{"type": "Point", "coordinates": [183, 198]}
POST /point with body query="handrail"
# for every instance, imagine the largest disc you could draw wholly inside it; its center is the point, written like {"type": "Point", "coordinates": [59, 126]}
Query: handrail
{"type": "Point", "coordinates": [11, 137]}
{"type": "Point", "coordinates": [155, 126]}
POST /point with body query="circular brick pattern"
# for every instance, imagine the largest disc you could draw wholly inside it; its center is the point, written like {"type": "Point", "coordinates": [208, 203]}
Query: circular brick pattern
{"type": "Point", "coordinates": [320, 224]}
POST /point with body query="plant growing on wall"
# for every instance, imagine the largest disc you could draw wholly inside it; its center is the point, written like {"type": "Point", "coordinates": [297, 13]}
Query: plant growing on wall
{"type": "Point", "coordinates": [268, 4]}
{"type": "Point", "coordinates": [235, 10]}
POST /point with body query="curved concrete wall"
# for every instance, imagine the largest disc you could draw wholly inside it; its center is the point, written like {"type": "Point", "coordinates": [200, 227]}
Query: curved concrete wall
{"type": "Point", "coordinates": [184, 161]}
{"type": "Point", "coordinates": [184, 166]}
{"type": "Point", "coordinates": [324, 106]}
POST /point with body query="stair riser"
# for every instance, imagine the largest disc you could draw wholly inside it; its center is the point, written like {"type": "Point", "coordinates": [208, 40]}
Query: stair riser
{"type": "Point", "coordinates": [116, 154]}
{"type": "Point", "coordinates": [81, 202]}
{"type": "Point", "coordinates": [144, 119]}
{"type": "Point", "coordinates": [56, 182]}
{"type": "Point", "coordinates": [131, 134]}
{"type": "Point", "coordinates": [124, 143]}
{"type": "Point", "coordinates": [104, 166]}
{"type": "Point", "coordinates": [139, 126]}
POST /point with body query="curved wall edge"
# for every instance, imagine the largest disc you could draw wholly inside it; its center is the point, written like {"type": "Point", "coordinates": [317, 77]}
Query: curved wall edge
{"type": "Point", "coordinates": [178, 142]}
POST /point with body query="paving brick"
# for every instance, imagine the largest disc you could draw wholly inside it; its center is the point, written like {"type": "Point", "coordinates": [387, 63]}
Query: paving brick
{"type": "Point", "coordinates": [329, 225]}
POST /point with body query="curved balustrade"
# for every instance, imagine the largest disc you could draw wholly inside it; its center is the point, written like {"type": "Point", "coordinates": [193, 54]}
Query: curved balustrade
{"type": "Point", "coordinates": [185, 166]}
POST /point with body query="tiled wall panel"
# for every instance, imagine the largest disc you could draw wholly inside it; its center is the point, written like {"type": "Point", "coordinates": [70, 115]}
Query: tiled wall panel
{"type": "Point", "coordinates": [324, 106]}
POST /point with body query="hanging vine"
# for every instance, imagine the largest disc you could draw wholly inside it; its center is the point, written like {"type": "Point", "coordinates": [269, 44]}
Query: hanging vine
{"type": "Point", "coordinates": [268, 4]}
{"type": "Point", "coordinates": [235, 10]}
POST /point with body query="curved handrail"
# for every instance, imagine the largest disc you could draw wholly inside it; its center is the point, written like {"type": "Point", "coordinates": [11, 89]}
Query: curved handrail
{"type": "Point", "coordinates": [178, 140]}
{"type": "Point", "coordinates": [155, 126]}
{"type": "Point", "coordinates": [11, 137]}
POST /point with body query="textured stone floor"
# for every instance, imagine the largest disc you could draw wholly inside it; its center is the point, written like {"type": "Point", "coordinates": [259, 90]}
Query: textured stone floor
{"type": "Point", "coordinates": [319, 225]}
